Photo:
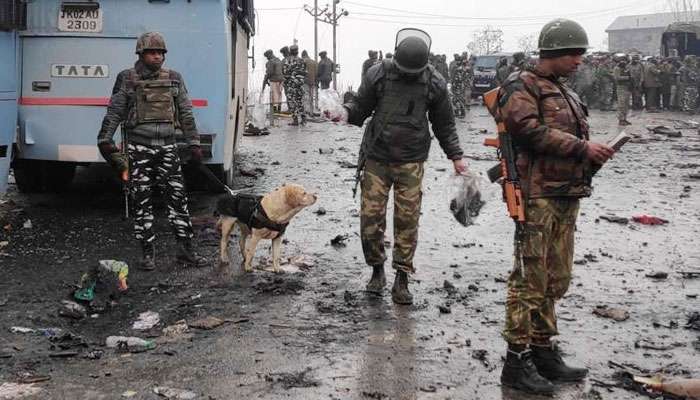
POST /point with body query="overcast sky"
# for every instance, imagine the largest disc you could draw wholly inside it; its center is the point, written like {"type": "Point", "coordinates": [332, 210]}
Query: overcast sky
{"type": "Point", "coordinates": [372, 24]}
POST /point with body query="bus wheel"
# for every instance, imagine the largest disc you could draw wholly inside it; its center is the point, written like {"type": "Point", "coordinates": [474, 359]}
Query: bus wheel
{"type": "Point", "coordinates": [28, 175]}
{"type": "Point", "coordinates": [58, 175]}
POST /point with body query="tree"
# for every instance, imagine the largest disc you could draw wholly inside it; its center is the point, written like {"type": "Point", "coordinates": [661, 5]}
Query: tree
{"type": "Point", "coordinates": [528, 43]}
{"type": "Point", "coordinates": [683, 10]}
{"type": "Point", "coordinates": [486, 41]}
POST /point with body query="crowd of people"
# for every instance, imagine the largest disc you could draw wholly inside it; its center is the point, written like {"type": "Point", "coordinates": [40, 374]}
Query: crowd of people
{"type": "Point", "coordinates": [300, 78]}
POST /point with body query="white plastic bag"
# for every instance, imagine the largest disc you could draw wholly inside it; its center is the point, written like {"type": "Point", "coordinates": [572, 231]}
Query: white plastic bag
{"type": "Point", "coordinates": [258, 113]}
{"type": "Point", "coordinates": [466, 198]}
{"type": "Point", "coordinates": [331, 106]}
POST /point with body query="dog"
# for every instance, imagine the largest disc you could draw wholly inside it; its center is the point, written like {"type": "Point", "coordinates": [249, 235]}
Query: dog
{"type": "Point", "coordinates": [260, 217]}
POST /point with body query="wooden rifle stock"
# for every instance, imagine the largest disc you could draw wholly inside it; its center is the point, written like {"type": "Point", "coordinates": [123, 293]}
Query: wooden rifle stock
{"type": "Point", "coordinates": [512, 193]}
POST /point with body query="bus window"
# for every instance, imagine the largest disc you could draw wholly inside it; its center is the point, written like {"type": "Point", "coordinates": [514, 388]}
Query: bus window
{"type": "Point", "coordinates": [13, 15]}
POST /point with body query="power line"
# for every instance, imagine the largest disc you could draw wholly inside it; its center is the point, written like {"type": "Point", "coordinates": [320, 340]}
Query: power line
{"type": "Point", "coordinates": [417, 14]}
{"type": "Point", "coordinates": [278, 9]}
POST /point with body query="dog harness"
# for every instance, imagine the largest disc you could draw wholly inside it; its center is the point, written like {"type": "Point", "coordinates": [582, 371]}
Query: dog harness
{"type": "Point", "coordinates": [248, 209]}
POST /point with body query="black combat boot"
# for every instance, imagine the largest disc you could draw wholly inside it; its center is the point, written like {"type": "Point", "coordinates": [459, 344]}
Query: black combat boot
{"type": "Point", "coordinates": [400, 293]}
{"type": "Point", "coordinates": [187, 255]}
{"type": "Point", "coordinates": [377, 281]}
{"type": "Point", "coordinates": [519, 372]}
{"type": "Point", "coordinates": [148, 257]}
{"type": "Point", "coordinates": [549, 364]}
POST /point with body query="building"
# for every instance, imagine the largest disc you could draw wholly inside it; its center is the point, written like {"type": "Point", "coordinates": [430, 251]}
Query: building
{"type": "Point", "coordinates": [643, 32]}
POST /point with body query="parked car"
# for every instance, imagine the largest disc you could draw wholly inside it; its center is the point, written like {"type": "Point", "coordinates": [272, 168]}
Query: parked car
{"type": "Point", "coordinates": [485, 72]}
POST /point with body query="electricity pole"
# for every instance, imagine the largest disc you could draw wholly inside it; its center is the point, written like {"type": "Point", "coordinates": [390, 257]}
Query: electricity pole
{"type": "Point", "coordinates": [332, 18]}
{"type": "Point", "coordinates": [315, 12]}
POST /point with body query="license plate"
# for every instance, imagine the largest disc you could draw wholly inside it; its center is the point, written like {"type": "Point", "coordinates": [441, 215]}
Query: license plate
{"type": "Point", "coordinates": [76, 17]}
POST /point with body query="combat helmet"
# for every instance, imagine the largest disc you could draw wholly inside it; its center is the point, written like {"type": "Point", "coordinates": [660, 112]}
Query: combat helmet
{"type": "Point", "coordinates": [294, 50]}
{"type": "Point", "coordinates": [561, 34]}
{"type": "Point", "coordinates": [151, 41]}
{"type": "Point", "coordinates": [412, 50]}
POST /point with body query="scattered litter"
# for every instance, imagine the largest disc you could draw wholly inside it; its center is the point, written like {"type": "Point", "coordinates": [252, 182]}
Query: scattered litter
{"type": "Point", "coordinates": [207, 323]}
{"type": "Point", "coordinates": [664, 130]}
{"type": "Point", "coordinates": [108, 277]}
{"type": "Point", "coordinates": [347, 164]}
{"type": "Point", "coordinates": [339, 241]}
{"type": "Point", "coordinates": [615, 219]}
{"type": "Point", "coordinates": [293, 380]}
{"type": "Point", "coordinates": [174, 394]}
{"type": "Point", "coordinates": [649, 220]}
{"type": "Point", "coordinates": [130, 344]}
{"type": "Point", "coordinates": [129, 393]}
{"type": "Point", "coordinates": [4, 244]}
{"type": "Point", "coordinates": [693, 321]}
{"type": "Point", "coordinates": [444, 309]}
{"type": "Point", "coordinates": [252, 130]}
{"type": "Point", "coordinates": [71, 309]}
{"type": "Point", "coordinates": [21, 329]}
{"type": "Point", "coordinates": [146, 321]}
{"type": "Point", "coordinates": [465, 200]}
{"type": "Point", "coordinates": [64, 354]}
{"type": "Point", "coordinates": [651, 345]}
{"type": "Point", "coordinates": [690, 274]}
{"type": "Point", "coordinates": [616, 314]}
{"type": "Point", "coordinates": [10, 391]}
{"type": "Point", "coordinates": [657, 275]}
{"type": "Point", "coordinates": [481, 356]}
{"type": "Point", "coordinates": [302, 261]}
{"type": "Point", "coordinates": [27, 224]}
{"type": "Point", "coordinates": [320, 211]}
{"type": "Point", "coordinates": [94, 355]}
{"type": "Point", "coordinates": [326, 150]}
{"type": "Point", "coordinates": [176, 329]}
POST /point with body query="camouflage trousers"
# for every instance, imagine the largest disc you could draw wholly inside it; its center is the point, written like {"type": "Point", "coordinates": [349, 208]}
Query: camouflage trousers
{"type": "Point", "coordinates": [295, 99]}
{"type": "Point", "coordinates": [158, 166]}
{"type": "Point", "coordinates": [690, 98]}
{"type": "Point", "coordinates": [637, 96]}
{"type": "Point", "coordinates": [377, 180]}
{"type": "Point", "coordinates": [623, 102]}
{"type": "Point", "coordinates": [458, 101]}
{"type": "Point", "coordinates": [547, 253]}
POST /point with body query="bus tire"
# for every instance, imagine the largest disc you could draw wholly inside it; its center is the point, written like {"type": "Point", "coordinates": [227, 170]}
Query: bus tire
{"type": "Point", "coordinates": [28, 175]}
{"type": "Point", "coordinates": [58, 175]}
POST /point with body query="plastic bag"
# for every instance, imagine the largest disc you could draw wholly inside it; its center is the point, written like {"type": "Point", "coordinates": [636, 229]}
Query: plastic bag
{"type": "Point", "coordinates": [466, 199]}
{"type": "Point", "coordinates": [258, 114]}
{"type": "Point", "coordinates": [330, 105]}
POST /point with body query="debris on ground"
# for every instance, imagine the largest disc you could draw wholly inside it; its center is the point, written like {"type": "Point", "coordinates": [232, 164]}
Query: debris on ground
{"type": "Point", "coordinates": [444, 309]}
{"type": "Point", "coordinates": [21, 329]}
{"type": "Point", "coordinates": [27, 224]}
{"type": "Point", "coordinates": [615, 219]}
{"type": "Point", "coordinates": [71, 309]}
{"type": "Point", "coordinates": [108, 278]}
{"type": "Point", "coordinates": [657, 275]}
{"type": "Point", "coordinates": [302, 261]}
{"type": "Point", "coordinates": [207, 323]}
{"type": "Point", "coordinates": [326, 150]}
{"type": "Point", "coordinates": [465, 202]}
{"type": "Point", "coordinates": [252, 130]}
{"type": "Point", "coordinates": [146, 321]}
{"type": "Point", "coordinates": [176, 330]}
{"type": "Point", "coordinates": [347, 164]}
{"type": "Point", "coordinates": [129, 394]}
{"type": "Point", "coordinates": [9, 391]}
{"type": "Point", "coordinates": [321, 211]}
{"type": "Point", "coordinates": [664, 130]}
{"type": "Point", "coordinates": [689, 274]}
{"type": "Point", "coordinates": [339, 241]}
{"type": "Point", "coordinates": [481, 356]}
{"type": "Point", "coordinates": [616, 314]}
{"type": "Point", "coordinates": [293, 380]}
{"type": "Point", "coordinates": [649, 220]}
{"type": "Point", "coordinates": [693, 321]}
{"type": "Point", "coordinates": [129, 344]}
{"type": "Point", "coordinates": [174, 394]}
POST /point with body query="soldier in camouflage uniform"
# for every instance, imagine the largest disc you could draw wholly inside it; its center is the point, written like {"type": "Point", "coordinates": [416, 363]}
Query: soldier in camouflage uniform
{"type": "Point", "coordinates": [294, 71]}
{"type": "Point", "coordinates": [153, 104]}
{"type": "Point", "coordinates": [459, 80]}
{"type": "Point", "coordinates": [404, 93]}
{"type": "Point", "coordinates": [637, 83]}
{"type": "Point", "coordinates": [623, 81]}
{"type": "Point", "coordinates": [689, 83]}
{"type": "Point", "coordinates": [547, 122]}
{"type": "Point", "coordinates": [605, 85]}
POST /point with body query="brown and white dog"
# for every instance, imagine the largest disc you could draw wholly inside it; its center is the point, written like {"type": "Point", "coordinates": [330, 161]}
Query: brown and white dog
{"type": "Point", "coordinates": [260, 217]}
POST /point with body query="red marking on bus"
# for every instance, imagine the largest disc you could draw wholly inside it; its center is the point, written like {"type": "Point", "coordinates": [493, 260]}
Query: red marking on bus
{"type": "Point", "coordinates": [83, 101]}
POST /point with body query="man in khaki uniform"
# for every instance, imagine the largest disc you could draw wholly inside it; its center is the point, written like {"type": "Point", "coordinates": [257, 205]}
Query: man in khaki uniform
{"type": "Point", "coordinates": [623, 81]}
{"type": "Point", "coordinates": [550, 134]}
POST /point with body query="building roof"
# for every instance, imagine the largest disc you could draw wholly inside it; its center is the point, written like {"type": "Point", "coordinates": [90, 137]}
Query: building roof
{"type": "Point", "coordinates": [650, 21]}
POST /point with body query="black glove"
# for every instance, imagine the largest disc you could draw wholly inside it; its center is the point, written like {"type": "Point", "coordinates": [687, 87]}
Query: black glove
{"type": "Point", "coordinates": [114, 158]}
{"type": "Point", "coordinates": [196, 154]}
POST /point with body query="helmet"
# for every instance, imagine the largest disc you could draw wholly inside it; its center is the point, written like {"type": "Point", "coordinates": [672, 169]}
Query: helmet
{"type": "Point", "coordinates": [412, 50]}
{"type": "Point", "coordinates": [388, 55]}
{"type": "Point", "coordinates": [268, 53]}
{"type": "Point", "coordinates": [518, 56]}
{"type": "Point", "coordinates": [150, 41]}
{"type": "Point", "coordinates": [562, 34]}
{"type": "Point", "coordinates": [294, 50]}
{"type": "Point", "coordinates": [285, 51]}
{"type": "Point", "coordinates": [620, 57]}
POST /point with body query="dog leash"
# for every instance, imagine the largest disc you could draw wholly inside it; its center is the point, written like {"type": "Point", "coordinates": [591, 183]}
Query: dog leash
{"type": "Point", "coordinates": [212, 178]}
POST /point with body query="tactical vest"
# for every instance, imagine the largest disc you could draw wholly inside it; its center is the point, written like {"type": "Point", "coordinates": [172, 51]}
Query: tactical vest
{"type": "Point", "coordinates": [400, 116]}
{"type": "Point", "coordinates": [154, 98]}
{"type": "Point", "coordinates": [248, 209]}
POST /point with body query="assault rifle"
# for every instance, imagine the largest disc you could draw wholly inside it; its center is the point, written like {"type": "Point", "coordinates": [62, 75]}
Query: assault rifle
{"type": "Point", "coordinates": [125, 174]}
{"type": "Point", "coordinates": [506, 172]}
{"type": "Point", "coordinates": [365, 146]}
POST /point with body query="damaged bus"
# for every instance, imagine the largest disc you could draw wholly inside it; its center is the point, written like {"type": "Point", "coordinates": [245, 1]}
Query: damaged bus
{"type": "Point", "coordinates": [70, 52]}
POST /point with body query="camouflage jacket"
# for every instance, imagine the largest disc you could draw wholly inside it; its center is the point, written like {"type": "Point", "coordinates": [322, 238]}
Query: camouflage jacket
{"type": "Point", "coordinates": [637, 74]}
{"type": "Point", "coordinates": [402, 110]}
{"type": "Point", "coordinates": [459, 78]}
{"type": "Point", "coordinates": [622, 76]}
{"type": "Point", "coordinates": [548, 125]}
{"type": "Point", "coordinates": [294, 70]}
{"type": "Point", "coordinates": [273, 70]}
{"type": "Point", "coordinates": [122, 108]}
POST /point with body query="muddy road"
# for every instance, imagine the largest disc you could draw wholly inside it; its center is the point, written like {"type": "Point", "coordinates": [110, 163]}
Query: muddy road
{"type": "Point", "coordinates": [312, 333]}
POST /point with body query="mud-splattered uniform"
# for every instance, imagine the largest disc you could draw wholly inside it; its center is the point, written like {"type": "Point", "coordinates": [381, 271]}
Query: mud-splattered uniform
{"type": "Point", "coordinates": [548, 124]}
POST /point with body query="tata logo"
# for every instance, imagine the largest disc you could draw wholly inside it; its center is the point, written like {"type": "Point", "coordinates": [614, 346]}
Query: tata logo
{"type": "Point", "coordinates": [79, 71]}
